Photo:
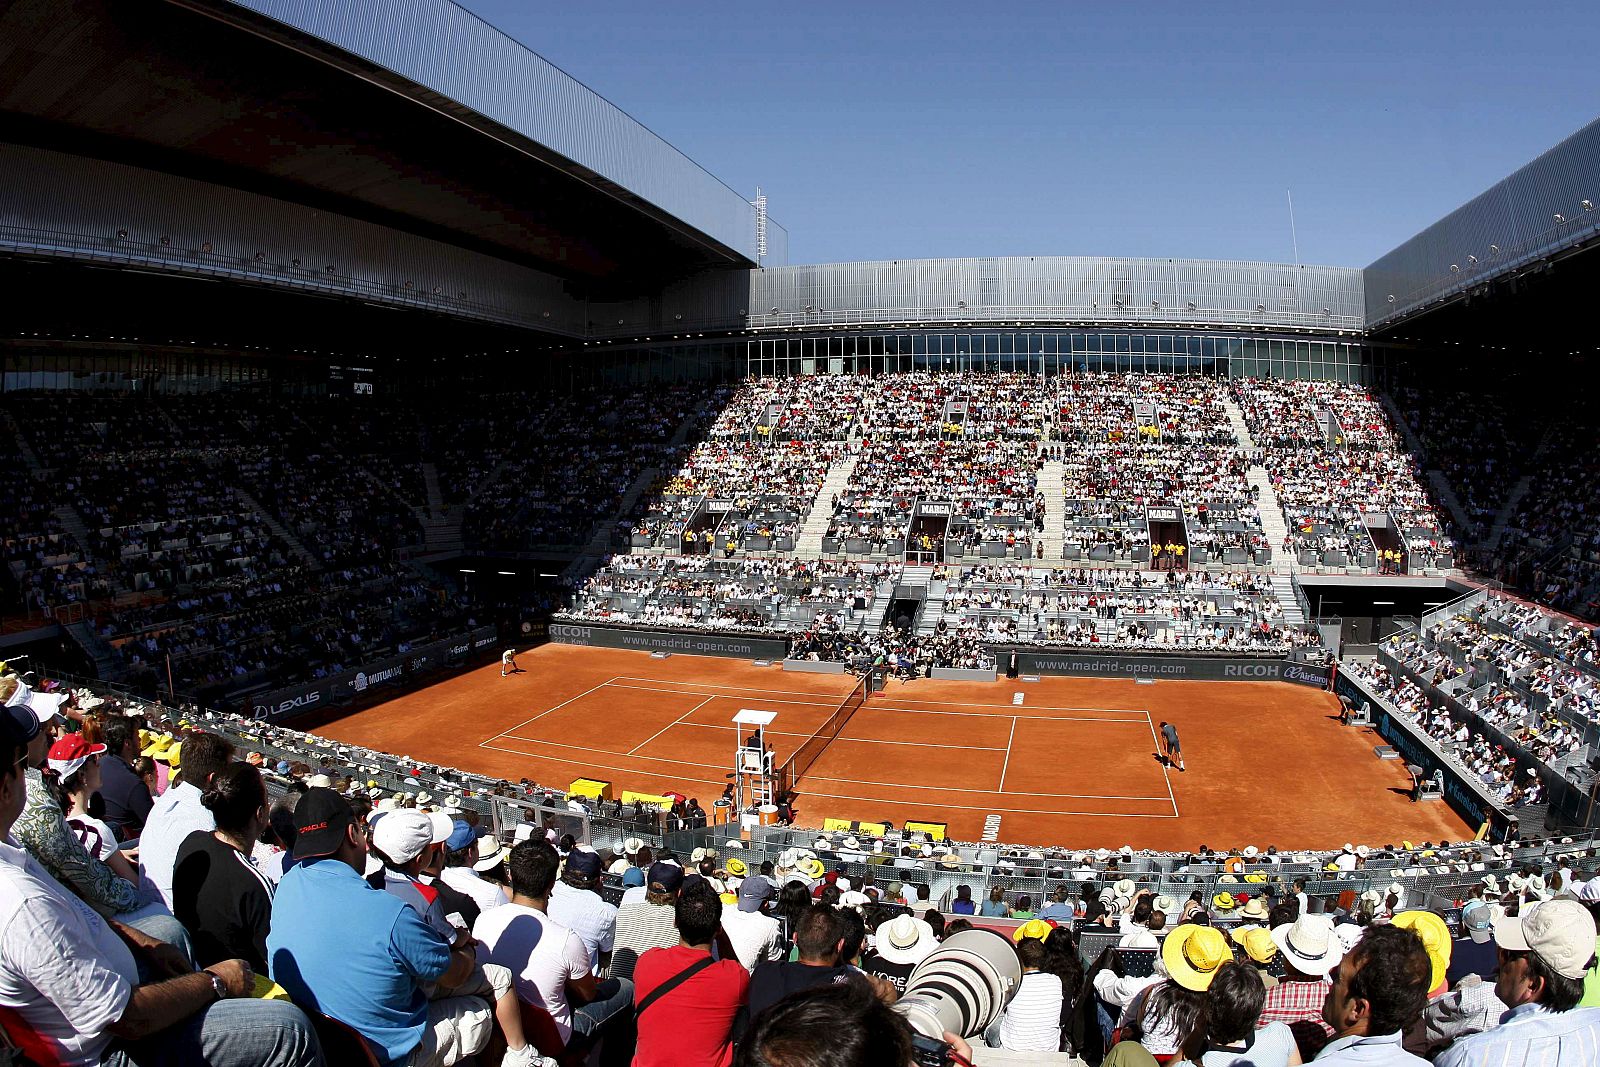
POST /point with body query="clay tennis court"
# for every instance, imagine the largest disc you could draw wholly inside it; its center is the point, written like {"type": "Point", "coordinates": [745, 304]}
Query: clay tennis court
{"type": "Point", "coordinates": [1073, 763]}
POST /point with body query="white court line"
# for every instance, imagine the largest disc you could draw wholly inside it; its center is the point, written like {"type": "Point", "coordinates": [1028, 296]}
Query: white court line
{"type": "Point", "coordinates": [718, 782]}
{"type": "Point", "coordinates": [986, 792]}
{"type": "Point", "coordinates": [723, 696]}
{"type": "Point", "coordinates": [858, 740]}
{"type": "Point", "coordinates": [1164, 774]}
{"type": "Point", "coordinates": [713, 685]}
{"type": "Point", "coordinates": [879, 697]}
{"type": "Point", "coordinates": [925, 805]}
{"type": "Point", "coordinates": [870, 706]}
{"type": "Point", "coordinates": [1007, 763]}
{"type": "Point", "coordinates": [673, 723]}
{"type": "Point", "coordinates": [546, 711]}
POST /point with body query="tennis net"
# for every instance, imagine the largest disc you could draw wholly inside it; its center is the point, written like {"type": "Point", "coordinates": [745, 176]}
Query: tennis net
{"type": "Point", "coordinates": [800, 761]}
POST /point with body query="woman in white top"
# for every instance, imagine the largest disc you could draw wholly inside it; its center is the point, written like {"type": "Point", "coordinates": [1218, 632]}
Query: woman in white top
{"type": "Point", "coordinates": [1031, 1022]}
{"type": "Point", "coordinates": [1233, 1005]}
{"type": "Point", "coordinates": [73, 767]}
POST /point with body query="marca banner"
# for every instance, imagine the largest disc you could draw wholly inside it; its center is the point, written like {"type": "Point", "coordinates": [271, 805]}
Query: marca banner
{"type": "Point", "coordinates": [693, 644]}
{"type": "Point", "coordinates": [1189, 668]}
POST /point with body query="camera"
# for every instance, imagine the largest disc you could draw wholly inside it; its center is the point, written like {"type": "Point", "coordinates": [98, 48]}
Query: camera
{"type": "Point", "coordinates": [961, 988]}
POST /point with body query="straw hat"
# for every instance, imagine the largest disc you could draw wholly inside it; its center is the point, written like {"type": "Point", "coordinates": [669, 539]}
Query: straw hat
{"type": "Point", "coordinates": [1193, 955]}
{"type": "Point", "coordinates": [1435, 937]}
{"type": "Point", "coordinates": [906, 939]}
{"type": "Point", "coordinates": [1308, 944]}
{"type": "Point", "coordinates": [1256, 942]}
{"type": "Point", "coordinates": [1223, 902]}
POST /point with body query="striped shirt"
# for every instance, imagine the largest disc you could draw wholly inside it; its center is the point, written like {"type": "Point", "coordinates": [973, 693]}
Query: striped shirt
{"type": "Point", "coordinates": [1032, 1021]}
{"type": "Point", "coordinates": [640, 928]}
{"type": "Point", "coordinates": [1531, 1036]}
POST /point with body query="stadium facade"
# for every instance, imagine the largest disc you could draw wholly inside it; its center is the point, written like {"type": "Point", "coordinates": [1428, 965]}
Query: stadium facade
{"type": "Point", "coordinates": [403, 155]}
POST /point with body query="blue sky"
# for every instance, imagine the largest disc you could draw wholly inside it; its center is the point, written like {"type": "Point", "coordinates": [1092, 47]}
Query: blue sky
{"type": "Point", "coordinates": [901, 130]}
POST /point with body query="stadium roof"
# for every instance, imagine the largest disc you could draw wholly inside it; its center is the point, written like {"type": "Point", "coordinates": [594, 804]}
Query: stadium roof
{"type": "Point", "coordinates": [410, 113]}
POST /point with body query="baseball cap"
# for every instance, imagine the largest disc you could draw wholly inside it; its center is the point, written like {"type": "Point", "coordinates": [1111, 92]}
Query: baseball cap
{"type": "Point", "coordinates": [69, 754]}
{"type": "Point", "coordinates": [18, 725]}
{"type": "Point", "coordinates": [632, 877]}
{"type": "Point", "coordinates": [320, 818]}
{"type": "Point", "coordinates": [1478, 921]}
{"type": "Point", "coordinates": [403, 835]}
{"type": "Point", "coordinates": [753, 892]}
{"type": "Point", "coordinates": [664, 877]}
{"type": "Point", "coordinates": [1560, 932]}
{"type": "Point", "coordinates": [585, 862]}
{"type": "Point", "coordinates": [461, 835]}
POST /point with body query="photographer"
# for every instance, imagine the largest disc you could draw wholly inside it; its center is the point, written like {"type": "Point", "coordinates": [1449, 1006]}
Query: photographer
{"type": "Point", "coordinates": [843, 1025]}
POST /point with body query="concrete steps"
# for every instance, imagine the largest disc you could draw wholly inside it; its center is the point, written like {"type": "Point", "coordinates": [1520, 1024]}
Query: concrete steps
{"type": "Point", "coordinates": [1502, 518]}
{"type": "Point", "coordinates": [1272, 520]}
{"type": "Point", "coordinates": [809, 544]}
{"type": "Point", "coordinates": [430, 483]}
{"type": "Point", "coordinates": [1283, 587]}
{"type": "Point", "coordinates": [1055, 509]}
{"type": "Point", "coordinates": [1446, 495]}
{"type": "Point", "coordinates": [29, 456]}
{"type": "Point", "coordinates": [600, 543]}
{"type": "Point", "coordinates": [279, 530]}
{"type": "Point", "coordinates": [97, 649]}
{"type": "Point", "coordinates": [1241, 429]}
{"type": "Point", "coordinates": [73, 523]}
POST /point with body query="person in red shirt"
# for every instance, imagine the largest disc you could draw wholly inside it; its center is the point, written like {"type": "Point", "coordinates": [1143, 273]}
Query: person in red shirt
{"type": "Point", "coordinates": [686, 1002]}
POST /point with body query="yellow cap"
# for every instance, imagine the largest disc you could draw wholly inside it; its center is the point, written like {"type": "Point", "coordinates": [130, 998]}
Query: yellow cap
{"type": "Point", "coordinates": [1035, 928]}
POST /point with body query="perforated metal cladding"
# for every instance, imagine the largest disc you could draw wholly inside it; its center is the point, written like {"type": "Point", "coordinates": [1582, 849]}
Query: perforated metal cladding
{"type": "Point", "coordinates": [1058, 289]}
{"type": "Point", "coordinates": [1503, 229]}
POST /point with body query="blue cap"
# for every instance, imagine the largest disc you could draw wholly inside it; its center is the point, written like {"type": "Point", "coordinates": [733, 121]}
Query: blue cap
{"type": "Point", "coordinates": [19, 725]}
{"type": "Point", "coordinates": [632, 876]}
{"type": "Point", "coordinates": [462, 836]}
{"type": "Point", "coordinates": [584, 862]}
{"type": "Point", "coordinates": [665, 877]}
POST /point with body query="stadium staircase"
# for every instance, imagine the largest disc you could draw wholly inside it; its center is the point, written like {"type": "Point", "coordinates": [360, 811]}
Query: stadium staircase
{"type": "Point", "coordinates": [1241, 429]}
{"type": "Point", "coordinates": [96, 648]}
{"type": "Point", "coordinates": [1502, 519]}
{"type": "Point", "coordinates": [279, 530]}
{"type": "Point", "coordinates": [1272, 521]}
{"type": "Point", "coordinates": [1283, 587]}
{"type": "Point", "coordinates": [1442, 490]}
{"type": "Point", "coordinates": [73, 523]}
{"type": "Point", "coordinates": [29, 456]}
{"type": "Point", "coordinates": [809, 543]}
{"type": "Point", "coordinates": [1055, 510]}
{"type": "Point", "coordinates": [1446, 495]}
{"type": "Point", "coordinates": [441, 524]}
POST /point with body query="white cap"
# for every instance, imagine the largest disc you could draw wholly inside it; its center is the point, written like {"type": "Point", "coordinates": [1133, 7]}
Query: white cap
{"type": "Point", "coordinates": [404, 835]}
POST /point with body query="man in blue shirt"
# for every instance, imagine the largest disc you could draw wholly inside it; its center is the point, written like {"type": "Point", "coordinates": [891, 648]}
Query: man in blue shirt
{"type": "Point", "coordinates": [1544, 957]}
{"type": "Point", "coordinates": [1060, 908]}
{"type": "Point", "coordinates": [1379, 989]}
{"type": "Point", "coordinates": [366, 957]}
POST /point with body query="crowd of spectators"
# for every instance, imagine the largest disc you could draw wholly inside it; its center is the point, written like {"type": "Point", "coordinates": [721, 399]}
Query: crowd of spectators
{"type": "Point", "coordinates": [1503, 671]}
{"type": "Point", "coordinates": [1128, 441]}
{"type": "Point", "coordinates": [1160, 610]}
{"type": "Point", "coordinates": [1333, 458]}
{"type": "Point", "coordinates": [231, 907]}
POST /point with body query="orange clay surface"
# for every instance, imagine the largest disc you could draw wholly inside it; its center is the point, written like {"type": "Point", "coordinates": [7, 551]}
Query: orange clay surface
{"type": "Point", "coordinates": [1074, 764]}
